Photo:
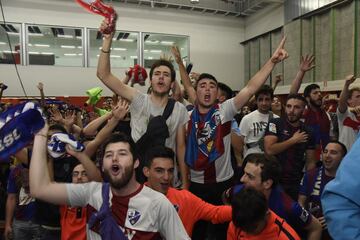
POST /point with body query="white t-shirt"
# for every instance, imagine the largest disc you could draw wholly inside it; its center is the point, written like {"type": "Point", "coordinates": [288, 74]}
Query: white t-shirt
{"type": "Point", "coordinates": [148, 213]}
{"type": "Point", "coordinates": [349, 127]}
{"type": "Point", "coordinates": [142, 109]}
{"type": "Point", "coordinates": [252, 128]}
{"type": "Point", "coordinates": [220, 170]}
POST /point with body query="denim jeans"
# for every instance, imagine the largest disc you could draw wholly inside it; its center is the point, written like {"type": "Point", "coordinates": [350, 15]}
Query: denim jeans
{"type": "Point", "coordinates": [26, 230]}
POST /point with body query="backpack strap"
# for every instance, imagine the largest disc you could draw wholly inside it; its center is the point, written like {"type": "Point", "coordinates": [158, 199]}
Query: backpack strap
{"type": "Point", "coordinates": [169, 108]}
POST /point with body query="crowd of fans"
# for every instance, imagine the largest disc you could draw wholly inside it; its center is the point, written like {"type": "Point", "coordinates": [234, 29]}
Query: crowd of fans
{"type": "Point", "coordinates": [191, 163]}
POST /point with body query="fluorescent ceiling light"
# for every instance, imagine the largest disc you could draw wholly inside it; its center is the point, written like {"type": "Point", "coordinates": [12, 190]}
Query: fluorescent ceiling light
{"type": "Point", "coordinates": [79, 54]}
{"type": "Point", "coordinates": [65, 36]}
{"type": "Point", "coordinates": [167, 43]}
{"type": "Point", "coordinates": [30, 44]}
{"type": "Point", "coordinates": [126, 40]}
{"type": "Point", "coordinates": [42, 45]}
{"type": "Point", "coordinates": [47, 53]}
{"type": "Point", "coordinates": [13, 33]}
{"type": "Point", "coordinates": [155, 51]}
{"type": "Point", "coordinates": [119, 49]}
{"type": "Point", "coordinates": [69, 54]}
{"type": "Point", "coordinates": [115, 56]}
{"type": "Point", "coordinates": [7, 51]}
{"type": "Point", "coordinates": [146, 50]}
{"type": "Point", "coordinates": [34, 53]}
{"type": "Point", "coordinates": [79, 37]}
{"type": "Point", "coordinates": [150, 58]}
{"type": "Point", "coordinates": [2, 43]}
{"type": "Point", "coordinates": [152, 42]}
{"type": "Point", "coordinates": [80, 47]}
{"type": "Point", "coordinates": [67, 46]}
{"type": "Point", "coordinates": [36, 34]}
{"type": "Point", "coordinates": [133, 57]}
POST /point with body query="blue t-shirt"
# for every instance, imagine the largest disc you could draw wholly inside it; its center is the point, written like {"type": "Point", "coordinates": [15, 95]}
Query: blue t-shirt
{"type": "Point", "coordinates": [18, 183]}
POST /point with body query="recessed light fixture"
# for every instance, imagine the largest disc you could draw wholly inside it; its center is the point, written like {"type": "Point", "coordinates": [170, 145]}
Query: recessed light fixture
{"type": "Point", "coordinates": [65, 36]}
{"type": "Point", "coordinates": [119, 49]}
{"type": "Point", "coordinates": [67, 46]}
{"type": "Point", "coordinates": [42, 45]}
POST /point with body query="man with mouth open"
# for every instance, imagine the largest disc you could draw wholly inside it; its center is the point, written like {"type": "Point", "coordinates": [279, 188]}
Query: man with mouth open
{"type": "Point", "coordinates": [144, 107]}
{"type": "Point", "coordinates": [120, 209]}
{"type": "Point", "coordinates": [208, 135]}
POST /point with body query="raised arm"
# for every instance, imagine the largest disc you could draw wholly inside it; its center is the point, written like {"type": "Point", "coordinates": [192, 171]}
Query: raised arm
{"type": "Point", "coordinates": [342, 105]}
{"type": "Point", "coordinates": [40, 86]}
{"type": "Point", "coordinates": [118, 113]}
{"type": "Point", "coordinates": [184, 75]}
{"type": "Point", "coordinates": [180, 155]}
{"type": "Point", "coordinates": [93, 173]}
{"type": "Point", "coordinates": [278, 79]}
{"type": "Point", "coordinates": [40, 185]}
{"type": "Point", "coordinates": [104, 72]}
{"type": "Point", "coordinates": [260, 77]}
{"type": "Point", "coordinates": [306, 64]}
{"type": "Point", "coordinates": [92, 128]}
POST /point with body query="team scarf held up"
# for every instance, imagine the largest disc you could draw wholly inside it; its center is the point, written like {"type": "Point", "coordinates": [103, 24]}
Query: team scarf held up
{"type": "Point", "coordinates": [205, 142]}
{"type": "Point", "coordinates": [58, 142]}
{"type": "Point", "coordinates": [18, 126]}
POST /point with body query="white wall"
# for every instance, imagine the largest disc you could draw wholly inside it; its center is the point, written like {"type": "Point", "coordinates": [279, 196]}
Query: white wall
{"type": "Point", "coordinates": [214, 43]}
{"type": "Point", "coordinates": [264, 21]}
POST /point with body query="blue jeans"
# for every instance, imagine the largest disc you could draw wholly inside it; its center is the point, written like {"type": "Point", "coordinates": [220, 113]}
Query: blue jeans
{"type": "Point", "coordinates": [26, 230]}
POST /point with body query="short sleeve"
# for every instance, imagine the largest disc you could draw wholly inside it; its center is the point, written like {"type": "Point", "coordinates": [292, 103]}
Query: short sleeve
{"type": "Point", "coordinates": [273, 128]}
{"type": "Point", "coordinates": [79, 194]}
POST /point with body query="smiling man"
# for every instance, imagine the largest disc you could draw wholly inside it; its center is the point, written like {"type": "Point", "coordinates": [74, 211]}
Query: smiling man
{"type": "Point", "coordinates": [120, 209]}
{"type": "Point", "coordinates": [314, 182]}
{"type": "Point", "coordinates": [159, 171]}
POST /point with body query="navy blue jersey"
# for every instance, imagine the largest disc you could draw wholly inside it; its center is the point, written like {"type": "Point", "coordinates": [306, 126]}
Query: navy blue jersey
{"type": "Point", "coordinates": [292, 160]}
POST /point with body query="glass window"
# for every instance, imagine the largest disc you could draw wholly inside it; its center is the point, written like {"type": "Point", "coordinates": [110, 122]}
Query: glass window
{"type": "Point", "coordinates": [124, 51]}
{"type": "Point", "coordinates": [157, 45]}
{"type": "Point", "coordinates": [60, 46]}
{"type": "Point", "coordinates": [9, 54]}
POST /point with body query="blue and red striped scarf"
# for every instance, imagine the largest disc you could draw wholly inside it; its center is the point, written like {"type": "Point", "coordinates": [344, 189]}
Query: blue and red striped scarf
{"type": "Point", "coordinates": [205, 140]}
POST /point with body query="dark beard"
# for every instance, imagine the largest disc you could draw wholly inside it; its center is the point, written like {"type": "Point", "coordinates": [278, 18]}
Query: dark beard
{"type": "Point", "coordinates": [313, 103]}
{"type": "Point", "coordinates": [123, 181]}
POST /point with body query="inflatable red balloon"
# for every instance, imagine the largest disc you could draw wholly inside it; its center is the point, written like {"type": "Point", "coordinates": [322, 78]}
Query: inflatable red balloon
{"type": "Point", "coordinates": [98, 7]}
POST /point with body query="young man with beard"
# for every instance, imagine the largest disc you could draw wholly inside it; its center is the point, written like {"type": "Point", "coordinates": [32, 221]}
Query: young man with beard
{"type": "Point", "coordinates": [143, 107]}
{"type": "Point", "coordinates": [349, 122]}
{"type": "Point", "coordinates": [208, 152]}
{"type": "Point", "coordinates": [124, 208]}
{"type": "Point", "coordinates": [290, 140]}
{"type": "Point", "coordinates": [252, 126]}
{"type": "Point", "coordinates": [314, 181]}
{"type": "Point", "coordinates": [314, 115]}
{"type": "Point", "coordinates": [263, 174]}
{"type": "Point", "coordinates": [159, 170]}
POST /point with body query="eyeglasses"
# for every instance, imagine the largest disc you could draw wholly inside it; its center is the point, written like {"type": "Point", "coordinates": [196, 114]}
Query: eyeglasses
{"type": "Point", "coordinates": [82, 174]}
